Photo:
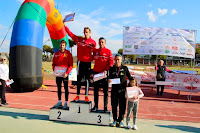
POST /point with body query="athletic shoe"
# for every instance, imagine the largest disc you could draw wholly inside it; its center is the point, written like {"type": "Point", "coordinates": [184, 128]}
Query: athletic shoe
{"type": "Point", "coordinates": [129, 126]}
{"type": "Point", "coordinates": [65, 107]}
{"type": "Point", "coordinates": [87, 99]}
{"type": "Point", "coordinates": [121, 124]}
{"type": "Point", "coordinates": [58, 105]}
{"type": "Point", "coordinates": [4, 104]}
{"type": "Point", "coordinates": [94, 109]}
{"type": "Point", "coordinates": [113, 124]}
{"type": "Point", "coordinates": [135, 127]}
{"type": "Point", "coordinates": [77, 98]}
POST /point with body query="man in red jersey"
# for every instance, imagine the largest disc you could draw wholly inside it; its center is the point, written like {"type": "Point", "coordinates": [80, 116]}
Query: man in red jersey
{"type": "Point", "coordinates": [62, 58]}
{"type": "Point", "coordinates": [85, 47]}
{"type": "Point", "coordinates": [103, 61]}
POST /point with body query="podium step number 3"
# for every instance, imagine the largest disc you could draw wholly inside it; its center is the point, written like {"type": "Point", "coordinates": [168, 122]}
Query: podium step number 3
{"type": "Point", "coordinates": [80, 112]}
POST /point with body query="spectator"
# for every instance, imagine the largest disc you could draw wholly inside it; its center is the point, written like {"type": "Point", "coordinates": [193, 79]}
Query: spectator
{"type": "Point", "coordinates": [4, 72]}
{"type": "Point", "coordinates": [161, 68]}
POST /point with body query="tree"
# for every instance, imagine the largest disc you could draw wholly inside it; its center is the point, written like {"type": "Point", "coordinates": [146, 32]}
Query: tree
{"type": "Point", "coordinates": [120, 51]}
{"type": "Point", "coordinates": [71, 43]}
{"type": "Point", "coordinates": [45, 47]}
{"type": "Point", "coordinates": [197, 50]}
{"type": "Point", "coordinates": [131, 57]}
{"type": "Point", "coordinates": [162, 57]}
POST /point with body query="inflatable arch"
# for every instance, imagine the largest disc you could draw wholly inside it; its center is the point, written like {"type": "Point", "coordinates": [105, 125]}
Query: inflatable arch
{"type": "Point", "coordinates": [26, 45]}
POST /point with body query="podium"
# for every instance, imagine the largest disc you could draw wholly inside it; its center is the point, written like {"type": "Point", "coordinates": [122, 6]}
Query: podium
{"type": "Point", "coordinates": [80, 112]}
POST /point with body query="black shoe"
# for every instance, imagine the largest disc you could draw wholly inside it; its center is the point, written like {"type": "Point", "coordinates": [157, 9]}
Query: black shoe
{"type": "Point", "coordinates": [94, 109]}
{"type": "Point", "coordinates": [4, 104]}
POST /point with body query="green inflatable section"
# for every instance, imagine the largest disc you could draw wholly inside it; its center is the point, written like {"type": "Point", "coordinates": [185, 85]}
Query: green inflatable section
{"type": "Point", "coordinates": [32, 11]}
{"type": "Point", "coordinates": [56, 43]}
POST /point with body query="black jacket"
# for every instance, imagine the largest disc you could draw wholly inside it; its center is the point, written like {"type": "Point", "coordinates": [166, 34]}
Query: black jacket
{"type": "Point", "coordinates": [122, 74]}
{"type": "Point", "coordinates": [161, 70]}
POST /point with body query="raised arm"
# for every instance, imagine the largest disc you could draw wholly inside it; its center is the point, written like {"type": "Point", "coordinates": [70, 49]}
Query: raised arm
{"type": "Point", "coordinates": [72, 35]}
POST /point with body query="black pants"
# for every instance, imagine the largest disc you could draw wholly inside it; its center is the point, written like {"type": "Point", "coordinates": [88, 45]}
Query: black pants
{"type": "Point", "coordinates": [59, 81]}
{"type": "Point", "coordinates": [3, 91]}
{"type": "Point", "coordinates": [118, 98]}
{"type": "Point", "coordinates": [162, 88]}
{"type": "Point", "coordinates": [83, 73]}
{"type": "Point", "coordinates": [104, 84]}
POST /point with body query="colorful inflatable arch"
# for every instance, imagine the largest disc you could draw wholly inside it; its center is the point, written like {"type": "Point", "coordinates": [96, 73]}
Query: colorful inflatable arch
{"type": "Point", "coordinates": [26, 45]}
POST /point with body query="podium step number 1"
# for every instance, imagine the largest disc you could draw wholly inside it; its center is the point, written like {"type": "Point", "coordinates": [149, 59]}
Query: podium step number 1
{"type": "Point", "coordinates": [79, 112]}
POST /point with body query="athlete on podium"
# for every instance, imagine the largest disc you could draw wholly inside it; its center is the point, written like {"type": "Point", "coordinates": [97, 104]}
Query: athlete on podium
{"type": "Point", "coordinates": [103, 61]}
{"type": "Point", "coordinates": [62, 66]}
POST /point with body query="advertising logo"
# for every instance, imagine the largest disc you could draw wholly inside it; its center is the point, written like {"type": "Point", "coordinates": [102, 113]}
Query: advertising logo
{"type": "Point", "coordinates": [191, 79]}
{"type": "Point", "coordinates": [167, 47]}
{"type": "Point", "coordinates": [174, 48]}
{"type": "Point", "coordinates": [151, 51]}
{"type": "Point", "coordinates": [167, 51]}
{"type": "Point", "coordinates": [190, 50]}
{"type": "Point", "coordinates": [135, 46]}
{"type": "Point", "coordinates": [182, 53]}
{"type": "Point", "coordinates": [174, 52]}
{"type": "Point", "coordinates": [182, 48]}
{"type": "Point", "coordinates": [144, 42]}
{"type": "Point", "coordinates": [170, 78]}
{"type": "Point", "coordinates": [128, 46]}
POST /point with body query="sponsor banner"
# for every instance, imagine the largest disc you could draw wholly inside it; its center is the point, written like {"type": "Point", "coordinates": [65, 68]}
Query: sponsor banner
{"type": "Point", "coordinates": [159, 41]}
{"type": "Point", "coordinates": [182, 82]}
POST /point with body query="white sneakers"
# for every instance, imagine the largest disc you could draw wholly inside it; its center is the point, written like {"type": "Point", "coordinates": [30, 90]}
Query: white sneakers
{"type": "Point", "coordinates": [134, 127]}
{"type": "Point", "coordinates": [130, 127]}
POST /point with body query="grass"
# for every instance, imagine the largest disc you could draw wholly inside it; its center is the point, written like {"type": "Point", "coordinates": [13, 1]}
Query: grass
{"type": "Point", "coordinates": [48, 66]}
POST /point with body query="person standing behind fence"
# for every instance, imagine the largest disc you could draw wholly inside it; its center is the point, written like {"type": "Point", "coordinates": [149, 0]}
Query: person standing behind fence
{"type": "Point", "coordinates": [62, 58]}
{"type": "Point", "coordinates": [85, 47]}
{"type": "Point", "coordinates": [161, 69]}
{"type": "Point", "coordinates": [133, 104]}
{"type": "Point", "coordinates": [4, 72]}
{"type": "Point", "coordinates": [103, 61]}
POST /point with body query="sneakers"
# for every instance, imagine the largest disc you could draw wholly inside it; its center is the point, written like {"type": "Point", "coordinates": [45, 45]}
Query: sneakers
{"type": "Point", "coordinates": [87, 99]}
{"type": "Point", "coordinates": [121, 124]}
{"type": "Point", "coordinates": [94, 109]}
{"type": "Point", "coordinates": [113, 124]}
{"type": "Point", "coordinates": [135, 127]}
{"type": "Point", "coordinates": [65, 107]}
{"type": "Point", "coordinates": [58, 105]}
{"type": "Point", "coordinates": [77, 98]}
{"type": "Point", "coordinates": [129, 126]}
{"type": "Point", "coordinates": [4, 104]}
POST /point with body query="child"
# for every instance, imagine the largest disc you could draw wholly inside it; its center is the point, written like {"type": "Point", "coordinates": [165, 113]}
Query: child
{"type": "Point", "coordinates": [133, 104]}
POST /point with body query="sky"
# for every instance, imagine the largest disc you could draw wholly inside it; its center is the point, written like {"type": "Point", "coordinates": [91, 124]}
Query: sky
{"type": "Point", "coordinates": [106, 18]}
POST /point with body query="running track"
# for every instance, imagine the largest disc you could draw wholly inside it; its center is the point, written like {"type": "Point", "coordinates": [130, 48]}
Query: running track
{"type": "Point", "coordinates": [169, 107]}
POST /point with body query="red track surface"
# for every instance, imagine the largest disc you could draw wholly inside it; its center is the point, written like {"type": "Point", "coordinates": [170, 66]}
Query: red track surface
{"type": "Point", "coordinates": [169, 107]}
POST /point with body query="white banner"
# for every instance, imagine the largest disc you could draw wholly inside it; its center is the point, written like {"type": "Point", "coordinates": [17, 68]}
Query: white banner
{"type": "Point", "coordinates": [159, 41]}
{"type": "Point", "coordinates": [176, 81]}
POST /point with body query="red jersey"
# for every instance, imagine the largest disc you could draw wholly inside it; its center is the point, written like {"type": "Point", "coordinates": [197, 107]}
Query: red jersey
{"type": "Point", "coordinates": [64, 59]}
{"type": "Point", "coordinates": [85, 46]}
{"type": "Point", "coordinates": [103, 59]}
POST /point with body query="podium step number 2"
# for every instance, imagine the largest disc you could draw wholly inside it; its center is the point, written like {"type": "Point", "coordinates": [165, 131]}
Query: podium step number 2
{"type": "Point", "coordinates": [79, 112]}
